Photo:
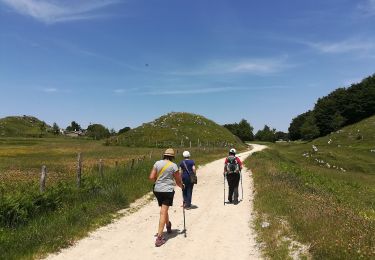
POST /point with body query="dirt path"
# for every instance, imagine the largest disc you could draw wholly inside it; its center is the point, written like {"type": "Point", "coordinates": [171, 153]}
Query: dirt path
{"type": "Point", "coordinates": [214, 231]}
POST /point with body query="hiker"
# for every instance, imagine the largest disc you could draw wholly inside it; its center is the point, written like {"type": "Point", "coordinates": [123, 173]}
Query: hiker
{"type": "Point", "coordinates": [165, 174]}
{"type": "Point", "coordinates": [232, 170]}
{"type": "Point", "coordinates": [187, 167]}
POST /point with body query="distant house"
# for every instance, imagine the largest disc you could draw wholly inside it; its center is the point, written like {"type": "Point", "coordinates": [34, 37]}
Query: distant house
{"type": "Point", "coordinates": [73, 133]}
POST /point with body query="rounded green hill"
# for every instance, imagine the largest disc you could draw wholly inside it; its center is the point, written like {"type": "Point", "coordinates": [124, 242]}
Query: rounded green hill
{"type": "Point", "coordinates": [179, 129]}
{"type": "Point", "coordinates": [22, 126]}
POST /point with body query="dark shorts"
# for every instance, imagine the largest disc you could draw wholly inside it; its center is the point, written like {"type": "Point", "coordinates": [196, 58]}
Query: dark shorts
{"type": "Point", "coordinates": [164, 198]}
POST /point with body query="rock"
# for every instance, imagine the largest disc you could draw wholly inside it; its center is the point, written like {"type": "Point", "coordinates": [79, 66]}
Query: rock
{"type": "Point", "coordinates": [265, 224]}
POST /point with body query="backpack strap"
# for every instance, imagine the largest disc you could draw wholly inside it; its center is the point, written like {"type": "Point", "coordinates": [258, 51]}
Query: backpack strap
{"type": "Point", "coordinates": [186, 167]}
{"type": "Point", "coordinates": [163, 169]}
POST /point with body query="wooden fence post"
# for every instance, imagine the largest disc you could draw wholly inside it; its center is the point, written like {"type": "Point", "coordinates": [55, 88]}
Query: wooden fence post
{"type": "Point", "coordinates": [43, 178]}
{"type": "Point", "coordinates": [116, 165]}
{"type": "Point", "coordinates": [132, 165]}
{"type": "Point", "coordinates": [151, 154]}
{"type": "Point", "coordinates": [79, 170]}
{"type": "Point", "coordinates": [101, 168]}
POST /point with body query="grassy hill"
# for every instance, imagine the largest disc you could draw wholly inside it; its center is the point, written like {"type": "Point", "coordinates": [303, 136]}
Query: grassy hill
{"type": "Point", "coordinates": [178, 129]}
{"type": "Point", "coordinates": [22, 126]}
{"type": "Point", "coordinates": [320, 193]}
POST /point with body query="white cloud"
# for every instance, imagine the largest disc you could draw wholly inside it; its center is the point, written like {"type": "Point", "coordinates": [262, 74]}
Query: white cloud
{"type": "Point", "coordinates": [51, 11]}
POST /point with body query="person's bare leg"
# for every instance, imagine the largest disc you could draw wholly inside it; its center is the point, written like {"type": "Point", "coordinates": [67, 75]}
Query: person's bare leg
{"type": "Point", "coordinates": [164, 218]}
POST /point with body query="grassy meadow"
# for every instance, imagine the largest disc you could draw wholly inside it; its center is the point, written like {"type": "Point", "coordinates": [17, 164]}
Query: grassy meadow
{"type": "Point", "coordinates": [33, 224]}
{"type": "Point", "coordinates": [321, 196]}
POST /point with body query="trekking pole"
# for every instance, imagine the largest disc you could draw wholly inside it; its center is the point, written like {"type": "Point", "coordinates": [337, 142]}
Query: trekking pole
{"type": "Point", "coordinates": [224, 188]}
{"type": "Point", "coordinates": [241, 185]}
{"type": "Point", "coordinates": [183, 210]}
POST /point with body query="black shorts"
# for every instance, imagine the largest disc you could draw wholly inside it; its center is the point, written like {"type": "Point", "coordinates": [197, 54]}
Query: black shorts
{"type": "Point", "coordinates": [164, 198]}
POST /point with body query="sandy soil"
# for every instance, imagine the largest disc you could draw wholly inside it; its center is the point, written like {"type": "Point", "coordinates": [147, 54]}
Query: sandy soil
{"type": "Point", "coordinates": [214, 231]}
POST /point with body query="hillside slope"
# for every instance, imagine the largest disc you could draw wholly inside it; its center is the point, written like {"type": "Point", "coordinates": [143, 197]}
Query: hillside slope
{"type": "Point", "coordinates": [178, 129]}
{"type": "Point", "coordinates": [22, 126]}
{"type": "Point", "coordinates": [321, 192]}
{"type": "Point", "coordinates": [351, 148]}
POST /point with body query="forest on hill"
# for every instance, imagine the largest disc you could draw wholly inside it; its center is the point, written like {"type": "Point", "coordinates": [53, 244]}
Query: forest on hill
{"type": "Point", "coordinates": [342, 107]}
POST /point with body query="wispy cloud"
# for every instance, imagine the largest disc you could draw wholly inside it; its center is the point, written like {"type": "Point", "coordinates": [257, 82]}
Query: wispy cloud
{"type": "Point", "coordinates": [367, 7]}
{"type": "Point", "coordinates": [50, 90]}
{"type": "Point", "coordinates": [259, 66]}
{"type": "Point", "coordinates": [192, 91]}
{"type": "Point", "coordinates": [50, 11]}
{"type": "Point", "coordinates": [342, 46]}
{"type": "Point", "coordinates": [207, 90]}
{"type": "Point", "coordinates": [262, 66]}
{"type": "Point", "coordinates": [54, 90]}
{"type": "Point", "coordinates": [120, 91]}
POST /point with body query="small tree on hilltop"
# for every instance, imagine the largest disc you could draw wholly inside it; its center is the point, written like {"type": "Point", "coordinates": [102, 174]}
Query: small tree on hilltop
{"type": "Point", "coordinates": [55, 129]}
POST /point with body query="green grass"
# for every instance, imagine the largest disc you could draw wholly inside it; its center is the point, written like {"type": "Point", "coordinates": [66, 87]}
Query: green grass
{"type": "Point", "coordinates": [33, 224]}
{"type": "Point", "coordinates": [331, 209]}
{"type": "Point", "coordinates": [22, 158]}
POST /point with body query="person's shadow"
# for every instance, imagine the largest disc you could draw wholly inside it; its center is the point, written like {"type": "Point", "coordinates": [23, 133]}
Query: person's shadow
{"type": "Point", "coordinates": [192, 207]}
{"type": "Point", "coordinates": [175, 232]}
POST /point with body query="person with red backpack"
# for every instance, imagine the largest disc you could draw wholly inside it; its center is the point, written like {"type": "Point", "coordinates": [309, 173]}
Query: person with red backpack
{"type": "Point", "coordinates": [232, 171]}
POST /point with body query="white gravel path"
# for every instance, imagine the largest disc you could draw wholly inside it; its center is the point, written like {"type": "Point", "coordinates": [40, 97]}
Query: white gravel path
{"type": "Point", "coordinates": [214, 231]}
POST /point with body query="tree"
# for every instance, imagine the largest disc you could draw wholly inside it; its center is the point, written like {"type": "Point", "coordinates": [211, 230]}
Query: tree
{"type": "Point", "coordinates": [97, 131]}
{"type": "Point", "coordinates": [245, 131]}
{"type": "Point", "coordinates": [337, 121]}
{"type": "Point", "coordinates": [341, 107]}
{"type": "Point", "coordinates": [309, 130]}
{"type": "Point", "coordinates": [124, 130]}
{"type": "Point", "coordinates": [112, 132]}
{"type": "Point", "coordinates": [295, 126]}
{"type": "Point", "coordinates": [242, 129]}
{"type": "Point", "coordinates": [55, 129]}
{"type": "Point", "coordinates": [266, 134]}
{"type": "Point", "coordinates": [74, 126]}
{"type": "Point", "coordinates": [279, 135]}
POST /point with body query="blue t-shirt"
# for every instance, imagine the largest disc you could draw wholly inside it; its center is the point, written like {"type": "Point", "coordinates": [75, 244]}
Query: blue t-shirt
{"type": "Point", "coordinates": [189, 164]}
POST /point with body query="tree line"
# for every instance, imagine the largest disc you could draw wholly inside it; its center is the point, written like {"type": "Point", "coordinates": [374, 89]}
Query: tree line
{"type": "Point", "coordinates": [244, 131]}
{"type": "Point", "coordinates": [343, 106]}
{"type": "Point", "coordinates": [94, 131]}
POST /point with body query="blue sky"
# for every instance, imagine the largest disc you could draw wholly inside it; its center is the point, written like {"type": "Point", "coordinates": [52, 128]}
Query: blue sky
{"type": "Point", "coordinates": [122, 63]}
